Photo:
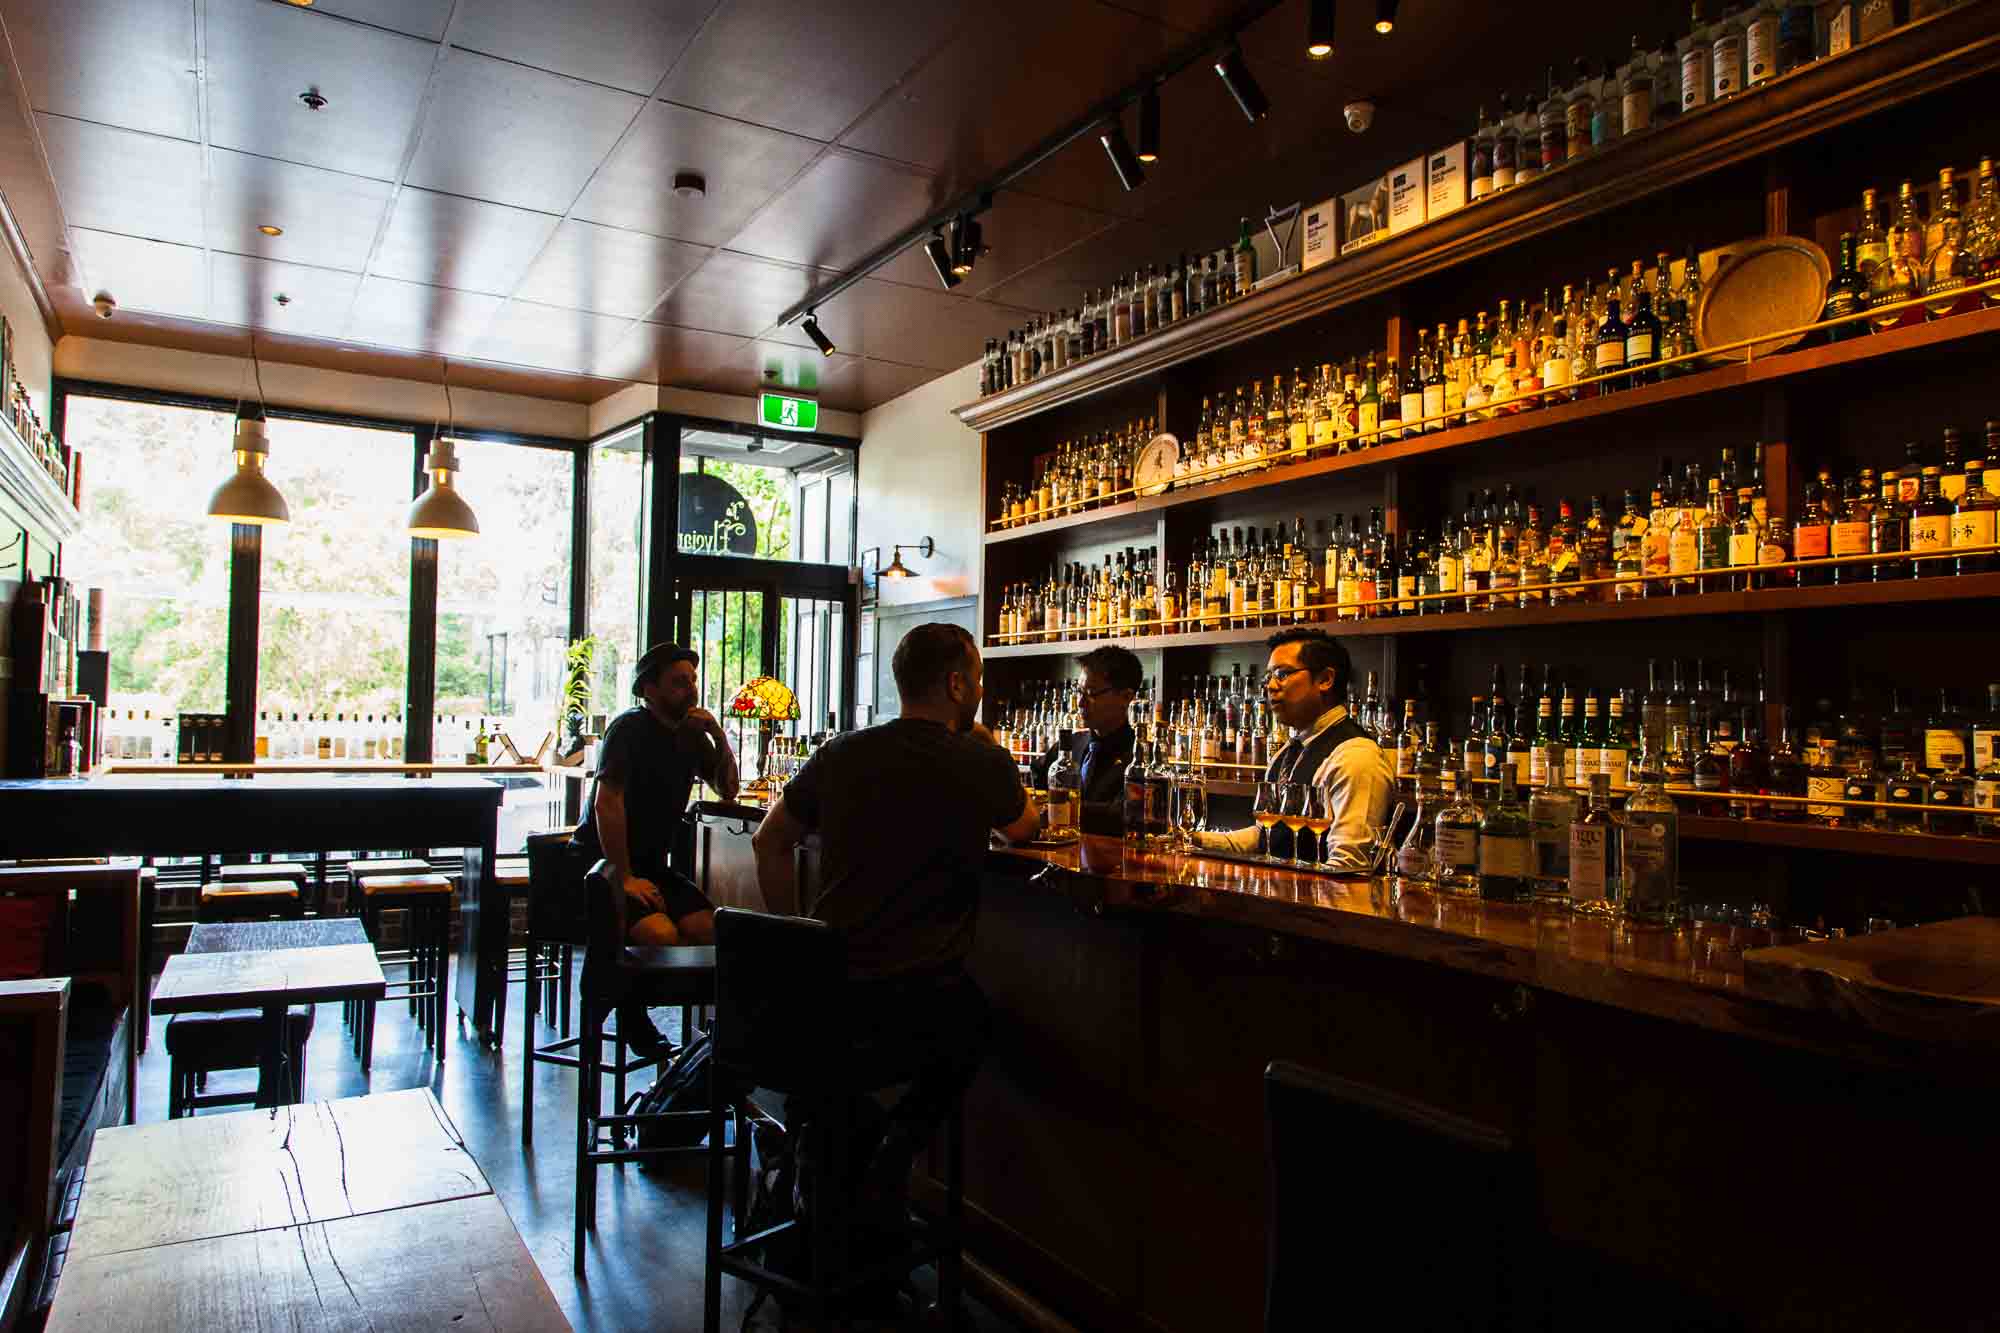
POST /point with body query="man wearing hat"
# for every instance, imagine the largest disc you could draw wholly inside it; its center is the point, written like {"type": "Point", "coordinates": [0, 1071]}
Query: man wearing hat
{"type": "Point", "coordinates": [646, 769]}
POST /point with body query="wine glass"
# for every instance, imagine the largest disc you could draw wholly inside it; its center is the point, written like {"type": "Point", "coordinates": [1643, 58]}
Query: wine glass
{"type": "Point", "coordinates": [1292, 813]}
{"type": "Point", "coordinates": [1264, 809]}
{"type": "Point", "coordinates": [1316, 821]}
{"type": "Point", "coordinates": [1190, 805]}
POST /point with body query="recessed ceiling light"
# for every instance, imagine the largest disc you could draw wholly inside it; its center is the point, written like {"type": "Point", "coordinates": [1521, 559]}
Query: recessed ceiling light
{"type": "Point", "coordinates": [690, 184]}
{"type": "Point", "coordinates": [266, 227]}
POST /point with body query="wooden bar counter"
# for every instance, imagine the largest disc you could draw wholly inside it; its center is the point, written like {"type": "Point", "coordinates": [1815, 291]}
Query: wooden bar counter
{"type": "Point", "coordinates": [1711, 1152]}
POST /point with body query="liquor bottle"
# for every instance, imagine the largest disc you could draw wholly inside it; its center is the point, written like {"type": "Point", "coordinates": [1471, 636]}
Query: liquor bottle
{"type": "Point", "coordinates": [1416, 855]}
{"type": "Point", "coordinates": [1298, 418]}
{"type": "Point", "coordinates": [1986, 733]}
{"type": "Point", "coordinates": [1899, 275]}
{"type": "Point", "coordinates": [1982, 230]}
{"type": "Point", "coordinates": [1506, 146]}
{"type": "Point", "coordinates": [1506, 858]}
{"type": "Point", "coordinates": [1846, 295]}
{"type": "Point", "coordinates": [1578, 106]}
{"type": "Point", "coordinates": [1888, 533]}
{"type": "Point", "coordinates": [1906, 794]}
{"type": "Point", "coordinates": [1482, 157]}
{"type": "Point", "coordinates": [1650, 852]}
{"type": "Point", "coordinates": [1871, 243]}
{"type": "Point", "coordinates": [1899, 735]}
{"type": "Point", "coordinates": [1750, 769]}
{"type": "Point", "coordinates": [1455, 840]}
{"type": "Point", "coordinates": [1986, 800]}
{"type": "Point", "coordinates": [1369, 418]}
{"type": "Point", "coordinates": [1949, 266]}
{"type": "Point", "coordinates": [1975, 521]}
{"type": "Point", "coordinates": [1949, 798]}
{"type": "Point", "coordinates": [1064, 807]}
{"type": "Point", "coordinates": [1390, 401]}
{"type": "Point", "coordinates": [1826, 782]}
{"type": "Point", "coordinates": [1709, 775]}
{"type": "Point", "coordinates": [1697, 80]}
{"type": "Point", "coordinates": [1812, 534]}
{"type": "Point", "coordinates": [1593, 854]}
{"type": "Point", "coordinates": [1528, 133]}
{"type": "Point", "coordinates": [1760, 45]}
{"type": "Point", "coordinates": [1553, 125]}
{"type": "Point", "coordinates": [1788, 775]}
{"type": "Point", "coordinates": [1725, 54]}
{"type": "Point", "coordinates": [1245, 260]}
{"type": "Point", "coordinates": [1551, 811]}
{"type": "Point", "coordinates": [1930, 527]}
{"type": "Point", "coordinates": [1610, 355]}
{"type": "Point", "coordinates": [1946, 731]}
{"type": "Point", "coordinates": [1635, 83]}
{"type": "Point", "coordinates": [1586, 748]}
{"type": "Point", "coordinates": [1642, 339]}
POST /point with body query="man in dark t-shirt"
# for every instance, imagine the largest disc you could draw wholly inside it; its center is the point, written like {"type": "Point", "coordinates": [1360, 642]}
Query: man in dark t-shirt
{"type": "Point", "coordinates": [904, 811]}
{"type": "Point", "coordinates": [647, 765]}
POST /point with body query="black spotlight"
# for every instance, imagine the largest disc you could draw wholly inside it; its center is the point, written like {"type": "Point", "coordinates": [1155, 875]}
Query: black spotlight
{"type": "Point", "coordinates": [1319, 29]}
{"type": "Point", "coordinates": [1385, 16]}
{"type": "Point", "coordinates": [1149, 126]}
{"type": "Point", "coordinates": [940, 256]}
{"type": "Point", "coordinates": [820, 340]}
{"type": "Point", "coordinates": [1130, 174]}
{"type": "Point", "coordinates": [965, 245]}
{"type": "Point", "coordinates": [1236, 78]}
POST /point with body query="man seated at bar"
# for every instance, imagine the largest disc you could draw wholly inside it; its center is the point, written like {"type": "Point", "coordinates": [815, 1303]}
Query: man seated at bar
{"type": "Point", "coordinates": [903, 811]}
{"type": "Point", "coordinates": [1111, 679]}
{"type": "Point", "coordinates": [647, 765]}
{"type": "Point", "coordinates": [1305, 678]}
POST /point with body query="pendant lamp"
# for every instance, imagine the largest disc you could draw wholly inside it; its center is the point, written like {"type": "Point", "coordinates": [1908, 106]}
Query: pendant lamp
{"type": "Point", "coordinates": [248, 495]}
{"type": "Point", "coordinates": [441, 512]}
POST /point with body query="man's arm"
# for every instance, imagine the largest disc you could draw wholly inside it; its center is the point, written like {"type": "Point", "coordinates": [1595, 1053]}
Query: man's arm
{"type": "Point", "coordinates": [723, 774]}
{"type": "Point", "coordinates": [1027, 825]}
{"type": "Point", "coordinates": [611, 826]}
{"type": "Point", "coordinates": [1229, 840]}
{"type": "Point", "coordinates": [773, 844]}
{"type": "Point", "coordinates": [1358, 785]}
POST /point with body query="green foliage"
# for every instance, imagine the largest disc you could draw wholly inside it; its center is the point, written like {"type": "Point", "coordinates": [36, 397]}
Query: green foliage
{"type": "Point", "coordinates": [578, 677]}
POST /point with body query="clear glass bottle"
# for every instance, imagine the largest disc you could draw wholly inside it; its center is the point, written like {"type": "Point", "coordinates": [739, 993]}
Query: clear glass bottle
{"type": "Point", "coordinates": [1697, 81]}
{"type": "Point", "coordinates": [1578, 108]}
{"type": "Point", "coordinates": [1635, 84]}
{"type": "Point", "coordinates": [1725, 54]}
{"type": "Point", "coordinates": [1062, 813]}
{"type": "Point", "coordinates": [1949, 267]}
{"type": "Point", "coordinates": [1650, 850]}
{"type": "Point", "coordinates": [1551, 812]}
{"type": "Point", "coordinates": [1506, 854]}
{"type": "Point", "coordinates": [1593, 854]}
{"type": "Point", "coordinates": [1948, 799]}
{"type": "Point", "coordinates": [1416, 856]}
{"type": "Point", "coordinates": [1455, 839]}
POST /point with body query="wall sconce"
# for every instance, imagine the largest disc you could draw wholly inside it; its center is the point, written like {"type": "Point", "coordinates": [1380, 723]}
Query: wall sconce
{"type": "Point", "coordinates": [897, 569]}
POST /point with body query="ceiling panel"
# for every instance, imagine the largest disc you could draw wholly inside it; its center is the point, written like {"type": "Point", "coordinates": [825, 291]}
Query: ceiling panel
{"type": "Point", "coordinates": [539, 335]}
{"type": "Point", "coordinates": [892, 322]}
{"type": "Point", "coordinates": [120, 180]}
{"type": "Point", "coordinates": [516, 135]}
{"type": "Point", "coordinates": [143, 275]}
{"type": "Point", "coordinates": [1019, 231]}
{"type": "Point", "coordinates": [328, 218]}
{"type": "Point", "coordinates": [811, 69]}
{"type": "Point", "coordinates": [389, 313]}
{"type": "Point", "coordinates": [745, 165]}
{"type": "Point", "coordinates": [245, 291]}
{"type": "Point", "coordinates": [1005, 81]}
{"type": "Point", "coordinates": [613, 42]}
{"type": "Point", "coordinates": [418, 18]}
{"type": "Point", "coordinates": [66, 53]}
{"type": "Point", "coordinates": [448, 241]}
{"type": "Point", "coordinates": [735, 293]}
{"type": "Point", "coordinates": [608, 271]}
{"type": "Point", "coordinates": [676, 354]}
{"type": "Point", "coordinates": [261, 56]}
{"type": "Point", "coordinates": [842, 208]}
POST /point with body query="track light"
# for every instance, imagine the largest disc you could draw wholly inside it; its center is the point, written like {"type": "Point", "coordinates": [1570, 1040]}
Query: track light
{"type": "Point", "coordinates": [1385, 16]}
{"type": "Point", "coordinates": [820, 340]}
{"type": "Point", "coordinates": [1236, 78]}
{"type": "Point", "coordinates": [1149, 126]}
{"type": "Point", "coordinates": [965, 245]}
{"type": "Point", "coordinates": [1130, 174]}
{"type": "Point", "coordinates": [1319, 29]}
{"type": "Point", "coordinates": [940, 256]}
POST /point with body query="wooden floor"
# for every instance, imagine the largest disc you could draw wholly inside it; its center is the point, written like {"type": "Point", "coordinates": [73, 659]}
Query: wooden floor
{"type": "Point", "coordinates": [645, 1263]}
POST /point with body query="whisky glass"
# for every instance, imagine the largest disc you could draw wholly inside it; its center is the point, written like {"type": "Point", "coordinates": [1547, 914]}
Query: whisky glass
{"type": "Point", "coordinates": [1317, 822]}
{"type": "Point", "coordinates": [1292, 802]}
{"type": "Point", "coordinates": [1264, 809]}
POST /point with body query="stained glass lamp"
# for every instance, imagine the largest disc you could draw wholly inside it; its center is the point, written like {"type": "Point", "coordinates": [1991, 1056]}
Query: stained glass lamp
{"type": "Point", "coordinates": [766, 701]}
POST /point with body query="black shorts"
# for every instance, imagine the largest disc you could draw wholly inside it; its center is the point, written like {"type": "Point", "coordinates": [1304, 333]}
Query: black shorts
{"type": "Point", "coordinates": [677, 890]}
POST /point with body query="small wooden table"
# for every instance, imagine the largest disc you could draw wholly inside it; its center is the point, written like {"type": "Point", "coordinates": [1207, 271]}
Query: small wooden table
{"type": "Point", "coordinates": [319, 932]}
{"type": "Point", "coordinates": [362, 1213]}
{"type": "Point", "coordinates": [272, 980]}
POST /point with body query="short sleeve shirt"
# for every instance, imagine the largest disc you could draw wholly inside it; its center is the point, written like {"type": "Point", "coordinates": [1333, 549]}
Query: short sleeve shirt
{"type": "Point", "coordinates": [903, 811]}
{"type": "Point", "coordinates": [657, 768]}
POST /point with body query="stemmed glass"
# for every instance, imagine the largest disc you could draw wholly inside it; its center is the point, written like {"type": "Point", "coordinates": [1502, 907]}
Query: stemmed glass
{"type": "Point", "coordinates": [1264, 808]}
{"type": "Point", "coordinates": [1190, 804]}
{"type": "Point", "coordinates": [1292, 813]}
{"type": "Point", "coordinates": [1313, 815]}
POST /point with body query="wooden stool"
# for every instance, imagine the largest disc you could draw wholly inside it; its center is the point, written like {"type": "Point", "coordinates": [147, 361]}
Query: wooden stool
{"type": "Point", "coordinates": [199, 1044]}
{"type": "Point", "coordinates": [249, 900]}
{"type": "Point", "coordinates": [298, 872]}
{"type": "Point", "coordinates": [427, 899]}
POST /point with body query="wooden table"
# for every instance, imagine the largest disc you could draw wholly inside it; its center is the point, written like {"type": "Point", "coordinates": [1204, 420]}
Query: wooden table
{"type": "Point", "coordinates": [319, 932]}
{"type": "Point", "coordinates": [272, 980]}
{"type": "Point", "coordinates": [363, 1213]}
{"type": "Point", "coordinates": [158, 815]}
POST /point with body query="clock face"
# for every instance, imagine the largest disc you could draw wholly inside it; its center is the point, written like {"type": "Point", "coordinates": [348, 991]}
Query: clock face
{"type": "Point", "coordinates": [1156, 464]}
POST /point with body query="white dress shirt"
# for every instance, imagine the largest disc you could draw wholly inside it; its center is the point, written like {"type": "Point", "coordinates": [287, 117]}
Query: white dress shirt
{"type": "Point", "coordinates": [1357, 782]}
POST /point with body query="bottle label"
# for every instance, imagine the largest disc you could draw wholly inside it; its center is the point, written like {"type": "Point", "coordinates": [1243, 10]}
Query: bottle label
{"type": "Point", "coordinates": [1952, 484]}
{"type": "Point", "coordinates": [1944, 795]}
{"type": "Point", "coordinates": [1458, 847]}
{"type": "Point", "coordinates": [1538, 765]}
{"type": "Point", "coordinates": [1742, 548]}
{"type": "Point", "coordinates": [1588, 862]}
{"type": "Point", "coordinates": [1610, 355]}
{"type": "Point", "coordinates": [1986, 794]}
{"type": "Point", "coordinates": [1371, 417]}
{"type": "Point", "coordinates": [1617, 762]}
{"type": "Point", "coordinates": [1645, 847]}
{"type": "Point", "coordinates": [1824, 789]}
{"type": "Point", "coordinates": [1763, 47]}
{"type": "Point", "coordinates": [1694, 77]}
{"type": "Point", "coordinates": [1983, 748]}
{"type": "Point", "coordinates": [1939, 742]}
{"type": "Point", "coordinates": [1930, 532]}
{"type": "Point", "coordinates": [1810, 541]}
{"type": "Point", "coordinates": [1412, 404]}
{"type": "Point", "coordinates": [1447, 575]}
{"type": "Point", "coordinates": [1683, 551]}
{"type": "Point", "coordinates": [1505, 856]}
{"type": "Point", "coordinates": [1295, 436]}
{"type": "Point", "coordinates": [1524, 767]}
{"type": "Point", "coordinates": [1850, 537]}
{"type": "Point", "coordinates": [1639, 109]}
{"type": "Point", "coordinates": [1727, 59]}
{"type": "Point", "coordinates": [1972, 527]}
{"type": "Point", "coordinates": [1709, 780]}
{"type": "Point", "coordinates": [1433, 403]}
{"type": "Point", "coordinates": [1555, 372]}
{"type": "Point", "coordinates": [1322, 432]}
{"type": "Point", "coordinates": [1840, 30]}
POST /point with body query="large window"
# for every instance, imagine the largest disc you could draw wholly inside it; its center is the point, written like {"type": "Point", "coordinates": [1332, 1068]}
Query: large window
{"type": "Point", "coordinates": [334, 631]}
{"type": "Point", "coordinates": [503, 598]}
{"type": "Point", "coordinates": [617, 563]}
{"type": "Point", "coordinates": [162, 562]}
{"type": "Point", "coordinates": [765, 495]}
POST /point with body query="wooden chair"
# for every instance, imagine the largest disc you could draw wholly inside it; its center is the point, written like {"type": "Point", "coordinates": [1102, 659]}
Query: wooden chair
{"type": "Point", "coordinates": [32, 1018]}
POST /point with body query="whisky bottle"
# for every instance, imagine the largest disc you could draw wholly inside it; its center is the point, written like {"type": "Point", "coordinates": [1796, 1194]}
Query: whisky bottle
{"type": "Point", "coordinates": [1506, 146]}
{"type": "Point", "coordinates": [1593, 854]}
{"type": "Point", "coordinates": [1888, 533]}
{"type": "Point", "coordinates": [1434, 377]}
{"type": "Point", "coordinates": [1697, 83]}
{"type": "Point", "coordinates": [1389, 399]}
{"type": "Point", "coordinates": [1642, 338]}
{"type": "Point", "coordinates": [1787, 775]}
{"type": "Point", "coordinates": [1946, 731]}
{"type": "Point", "coordinates": [1725, 55]}
{"type": "Point", "coordinates": [1906, 794]}
{"type": "Point", "coordinates": [1986, 785]}
{"type": "Point", "coordinates": [1949, 266]}
{"type": "Point", "coordinates": [1455, 842]}
{"type": "Point", "coordinates": [1846, 295]}
{"type": "Point", "coordinates": [1948, 798]}
{"type": "Point", "coordinates": [1812, 535]}
{"type": "Point", "coordinates": [1650, 846]}
{"type": "Point", "coordinates": [1245, 260]}
{"type": "Point", "coordinates": [1930, 528]}
{"type": "Point", "coordinates": [1298, 417]}
{"type": "Point", "coordinates": [1975, 521]}
{"type": "Point", "coordinates": [1369, 419]}
{"type": "Point", "coordinates": [1506, 858]}
{"type": "Point", "coordinates": [1899, 276]}
{"type": "Point", "coordinates": [1482, 157]}
{"type": "Point", "coordinates": [1982, 231]}
{"type": "Point", "coordinates": [1871, 243]}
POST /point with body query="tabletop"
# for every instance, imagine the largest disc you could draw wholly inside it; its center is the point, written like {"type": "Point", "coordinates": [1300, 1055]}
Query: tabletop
{"type": "Point", "coordinates": [317, 932]}
{"type": "Point", "coordinates": [202, 1177]}
{"type": "Point", "coordinates": [200, 982]}
{"type": "Point", "coordinates": [458, 1265]}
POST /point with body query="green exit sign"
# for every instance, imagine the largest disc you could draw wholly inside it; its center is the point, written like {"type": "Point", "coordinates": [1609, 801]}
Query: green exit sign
{"type": "Point", "coordinates": [784, 412]}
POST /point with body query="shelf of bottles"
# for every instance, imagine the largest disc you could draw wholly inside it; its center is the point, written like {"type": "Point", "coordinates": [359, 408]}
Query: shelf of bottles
{"type": "Point", "coordinates": [135, 736]}
{"type": "Point", "coordinates": [1186, 308]}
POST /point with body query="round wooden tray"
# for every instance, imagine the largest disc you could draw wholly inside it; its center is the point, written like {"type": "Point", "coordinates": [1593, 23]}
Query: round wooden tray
{"type": "Point", "coordinates": [1774, 283]}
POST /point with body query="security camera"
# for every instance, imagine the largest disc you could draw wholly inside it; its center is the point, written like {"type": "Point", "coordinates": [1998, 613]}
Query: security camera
{"type": "Point", "coordinates": [1360, 115]}
{"type": "Point", "coordinates": [104, 304]}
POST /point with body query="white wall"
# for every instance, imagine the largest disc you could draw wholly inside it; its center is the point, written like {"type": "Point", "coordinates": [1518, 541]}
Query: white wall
{"type": "Point", "coordinates": [920, 478]}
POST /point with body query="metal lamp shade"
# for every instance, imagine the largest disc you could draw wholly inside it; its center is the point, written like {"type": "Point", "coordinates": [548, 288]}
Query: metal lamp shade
{"type": "Point", "coordinates": [248, 495]}
{"type": "Point", "coordinates": [441, 512]}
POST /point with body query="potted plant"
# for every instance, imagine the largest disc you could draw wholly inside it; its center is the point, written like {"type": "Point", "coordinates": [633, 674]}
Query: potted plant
{"type": "Point", "coordinates": [579, 670]}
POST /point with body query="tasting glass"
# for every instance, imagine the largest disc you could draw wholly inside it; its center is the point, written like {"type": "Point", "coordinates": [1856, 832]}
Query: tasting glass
{"type": "Point", "coordinates": [1190, 804]}
{"type": "Point", "coordinates": [1264, 807]}
{"type": "Point", "coordinates": [1292, 798]}
{"type": "Point", "coordinates": [1312, 812]}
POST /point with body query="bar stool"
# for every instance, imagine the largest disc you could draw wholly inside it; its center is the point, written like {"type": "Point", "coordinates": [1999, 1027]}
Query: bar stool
{"type": "Point", "coordinates": [294, 872]}
{"type": "Point", "coordinates": [614, 971]}
{"type": "Point", "coordinates": [202, 1044]}
{"type": "Point", "coordinates": [510, 883]}
{"type": "Point", "coordinates": [556, 926]}
{"type": "Point", "coordinates": [426, 898]}
{"type": "Point", "coordinates": [780, 1025]}
{"type": "Point", "coordinates": [250, 900]}
{"type": "Point", "coordinates": [1419, 1168]}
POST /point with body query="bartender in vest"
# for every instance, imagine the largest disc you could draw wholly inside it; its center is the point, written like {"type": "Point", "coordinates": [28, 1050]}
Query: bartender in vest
{"type": "Point", "coordinates": [1101, 752]}
{"type": "Point", "coordinates": [1306, 678]}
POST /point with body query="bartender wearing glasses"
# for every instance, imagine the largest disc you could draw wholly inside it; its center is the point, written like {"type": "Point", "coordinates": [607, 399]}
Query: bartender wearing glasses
{"type": "Point", "coordinates": [1111, 679]}
{"type": "Point", "coordinates": [1306, 679]}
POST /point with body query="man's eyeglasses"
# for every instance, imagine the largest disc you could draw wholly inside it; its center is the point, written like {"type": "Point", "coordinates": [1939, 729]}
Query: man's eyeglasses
{"type": "Point", "coordinates": [1279, 675]}
{"type": "Point", "coordinates": [1083, 693]}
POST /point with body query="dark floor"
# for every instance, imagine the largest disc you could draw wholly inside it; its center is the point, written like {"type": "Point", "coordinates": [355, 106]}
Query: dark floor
{"type": "Point", "coordinates": [644, 1269]}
